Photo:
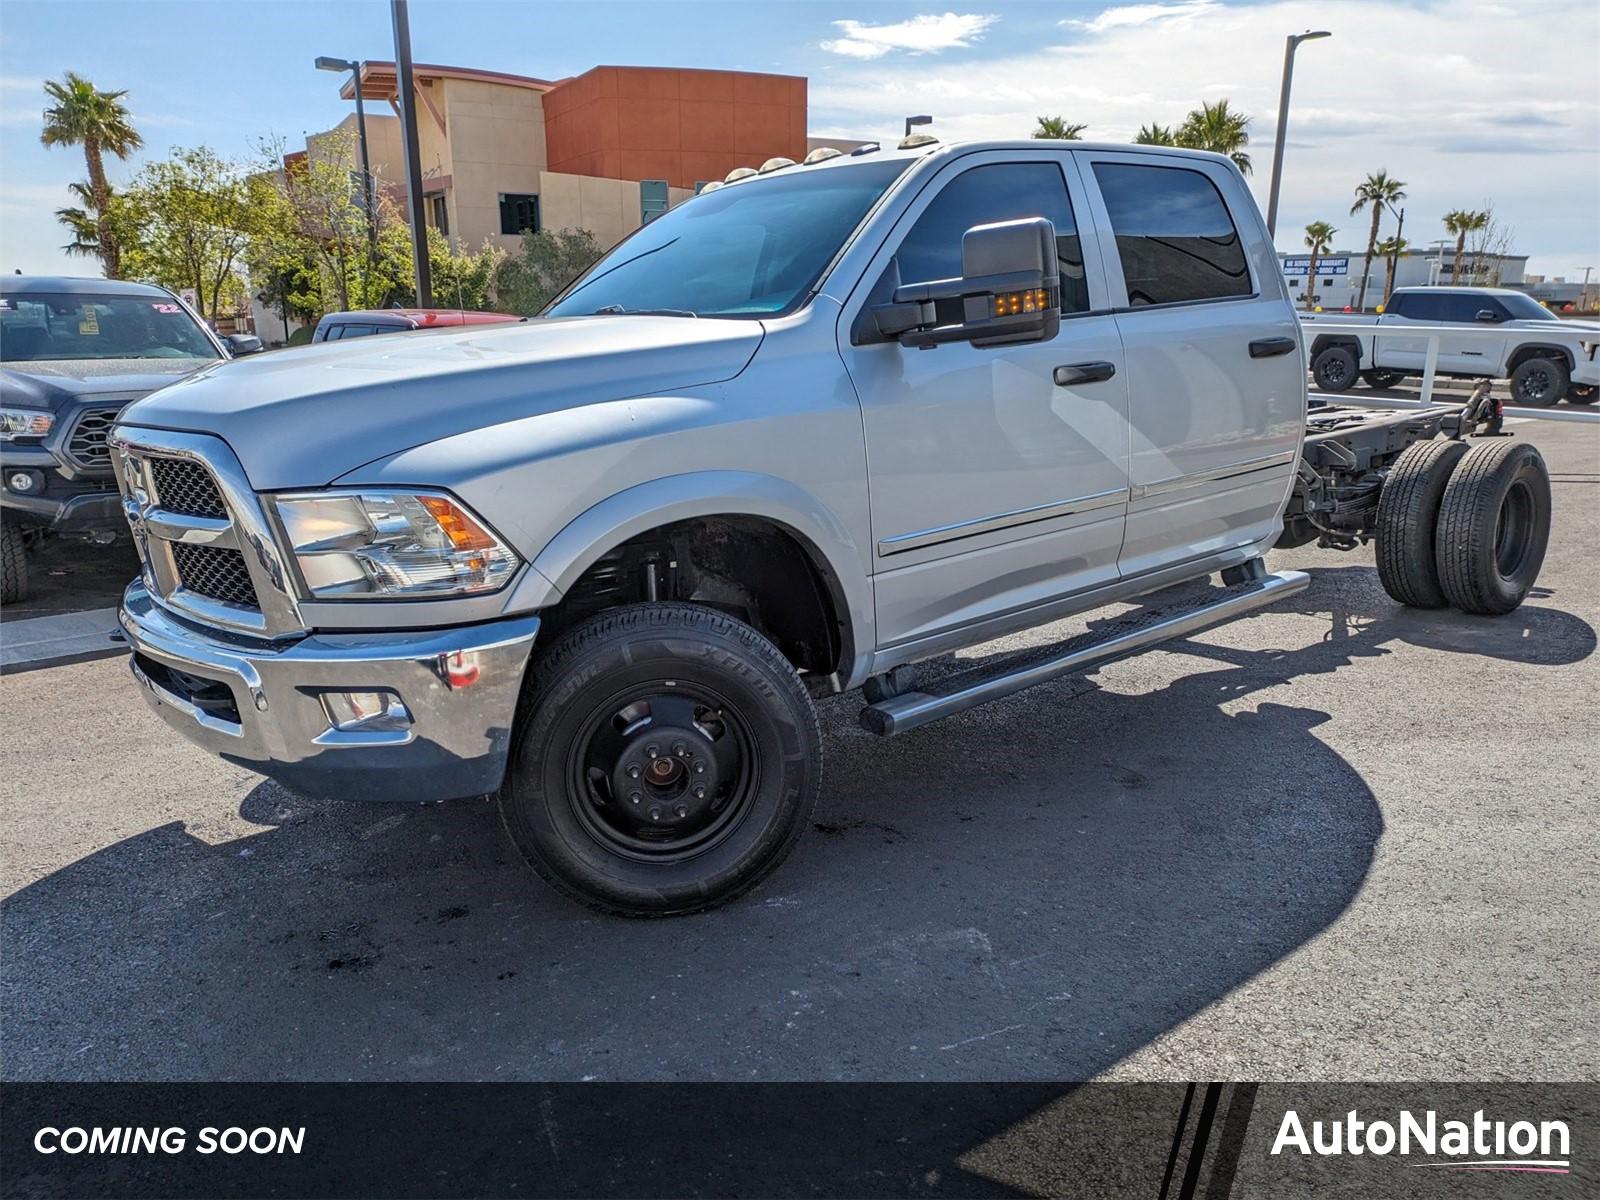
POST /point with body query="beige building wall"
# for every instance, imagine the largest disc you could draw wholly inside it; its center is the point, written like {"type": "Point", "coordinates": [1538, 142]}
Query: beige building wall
{"type": "Point", "coordinates": [493, 143]}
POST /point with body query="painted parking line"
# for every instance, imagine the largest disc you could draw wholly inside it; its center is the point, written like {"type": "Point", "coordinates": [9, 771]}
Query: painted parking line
{"type": "Point", "coordinates": [66, 637]}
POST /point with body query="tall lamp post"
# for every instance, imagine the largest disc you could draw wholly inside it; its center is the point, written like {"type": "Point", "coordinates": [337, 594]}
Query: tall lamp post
{"type": "Point", "coordinates": [405, 84]}
{"type": "Point", "coordinates": [1290, 45]}
{"type": "Point", "coordinates": [369, 199]}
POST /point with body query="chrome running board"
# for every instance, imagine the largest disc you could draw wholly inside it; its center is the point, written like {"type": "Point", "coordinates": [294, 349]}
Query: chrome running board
{"type": "Point", "coordinates": [1189, 611]}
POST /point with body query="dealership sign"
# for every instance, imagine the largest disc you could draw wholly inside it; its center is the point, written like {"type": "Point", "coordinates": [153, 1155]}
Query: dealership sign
{"type": "Point", "coordinates": [1301, 263]}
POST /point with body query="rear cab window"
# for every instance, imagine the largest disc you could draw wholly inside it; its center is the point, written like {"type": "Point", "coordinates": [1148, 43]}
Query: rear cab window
{"type": "Point", "coordinates": [1175, 238]}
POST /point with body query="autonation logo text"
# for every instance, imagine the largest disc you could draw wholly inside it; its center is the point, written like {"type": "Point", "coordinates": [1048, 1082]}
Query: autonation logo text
{"type": "Point", "coordinates": [1476, 1145]}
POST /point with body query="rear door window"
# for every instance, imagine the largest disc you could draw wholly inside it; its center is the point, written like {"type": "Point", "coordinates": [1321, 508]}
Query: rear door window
{"type": "Point", "coordinates": [1175, 238]}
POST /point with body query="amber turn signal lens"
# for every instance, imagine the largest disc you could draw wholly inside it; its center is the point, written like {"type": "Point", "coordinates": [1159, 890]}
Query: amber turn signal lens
{"type": "Point", "coordinates": [464, 533]}
{"type": "Point", "coordinates": [1009, 304]}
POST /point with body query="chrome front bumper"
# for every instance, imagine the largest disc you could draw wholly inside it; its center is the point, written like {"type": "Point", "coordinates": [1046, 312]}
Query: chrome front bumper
{"type": "Point", "coordinates": [450, 697]}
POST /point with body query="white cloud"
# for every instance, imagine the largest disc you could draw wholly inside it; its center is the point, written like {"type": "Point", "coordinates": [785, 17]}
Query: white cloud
{"type": "Point", "coordinates": [1128, 15]}
{"type": "Point", "coordinates": [1364, 99]}
{"type": "Point", "coordinates": [926, 33]}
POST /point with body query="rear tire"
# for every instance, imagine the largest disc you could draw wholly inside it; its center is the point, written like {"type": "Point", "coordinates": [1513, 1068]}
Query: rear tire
{"type": "Point", "coordinates": [1382, 379]}
{"type": "Point", "coordinates": [1539, 382]}
{"type": "Point", "coordinates": [1335, 369]}
{"type": "Point", "coordinates": [1408, 512]}
{"type": "Point", "coordinates": [13, 565]}
{"type": "Point", "coordinates": [666, 758]}
{"type": "Point", "coordinates": [1582, 394]}
{"type": "Point", "coordinates": [1494, 526]}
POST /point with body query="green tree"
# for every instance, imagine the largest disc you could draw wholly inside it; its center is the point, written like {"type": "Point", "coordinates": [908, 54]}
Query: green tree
{"type": "Point", "coordinates": [462, 279]}
{"type": "Point", "coordinates": [1376, 190]}
{"type": "Point", "coordinates": [82, 223]}
{"type": "Point", "coordinates": [194, 213]}
{"type": "Point", "coordinates": [1058, 129]}
{"type": "Point", "coordinates": [1155, 135]}
{"type": "Point", "coordinates": [544, 263]}
{"type": "Point", "coordinates": [1218, 128]}
{"type": "Point", "coordinates": [80, 114]}
{"type": "Point", "coordinates": [1319, 238]}
{"type": "Point", "coordinates": [1391, 248]}
{"type": "Point", "coordinates": [1461, 222]}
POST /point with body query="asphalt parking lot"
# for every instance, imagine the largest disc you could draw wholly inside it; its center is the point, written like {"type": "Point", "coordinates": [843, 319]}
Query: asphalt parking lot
{"type": "Point", "coordinates": [1338, 840]}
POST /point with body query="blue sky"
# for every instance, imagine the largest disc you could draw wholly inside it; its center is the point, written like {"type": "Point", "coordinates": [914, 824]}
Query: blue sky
{"type": "Point", "coordinates": [1472, 102]}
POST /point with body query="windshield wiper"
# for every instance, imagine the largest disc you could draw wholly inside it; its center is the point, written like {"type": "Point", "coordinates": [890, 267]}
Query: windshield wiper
{"type": "Point", "coordinates": [616, 310]}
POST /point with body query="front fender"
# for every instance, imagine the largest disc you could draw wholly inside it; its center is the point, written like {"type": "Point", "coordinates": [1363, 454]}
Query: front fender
{"type": "Point", "coordinates": [672, 498]}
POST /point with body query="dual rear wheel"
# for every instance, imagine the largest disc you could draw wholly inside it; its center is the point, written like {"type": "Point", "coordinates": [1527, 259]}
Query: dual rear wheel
{"type": "Point", "coordinates": [1464, 527]}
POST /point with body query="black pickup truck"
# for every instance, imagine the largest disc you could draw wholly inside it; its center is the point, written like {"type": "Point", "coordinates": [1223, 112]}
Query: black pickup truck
{"type": "Point", "coordinates": [74, 352]}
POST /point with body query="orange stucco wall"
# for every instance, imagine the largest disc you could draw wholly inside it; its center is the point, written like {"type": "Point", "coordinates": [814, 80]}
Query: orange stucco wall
{"type": "Point", "coordinates": [672, 124]}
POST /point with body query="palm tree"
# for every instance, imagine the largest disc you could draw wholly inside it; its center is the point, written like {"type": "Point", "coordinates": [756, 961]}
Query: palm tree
{"type": "Point", "coordinates": [81, 223]}
{"type": "Point", "coordinates": [1462, 221]}
{"type": "Point", "coordinates": [1217, 128]}
{"type": "Point", "coordinates": [82, 115]}
{"type": "Point", "coordinates": [1155, 135]}
{"type": "Point", "coordinates": [1391, 249]}
{"type": "Point", "coordinates": [1319, 237]}
{"type": "Point", "coordinates": [1059, 129]}
{"type": "Point", "coordinates": [1378, 189]}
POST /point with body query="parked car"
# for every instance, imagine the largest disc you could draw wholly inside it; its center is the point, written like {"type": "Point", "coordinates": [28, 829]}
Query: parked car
{"type": "Point", "coordinates": [795, 435]}
{"type": "Point", "coordinates": [73, 352]}
{"type": "Point", "coordinates": [1545, 358]}
{"type": "Point", "coordinates": [365, 322]}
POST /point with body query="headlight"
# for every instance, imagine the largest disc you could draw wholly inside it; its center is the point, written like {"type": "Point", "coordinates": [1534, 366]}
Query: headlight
{"type": "Point", "coordinates": [24, 422]}
{"type": "Point", "coordinates": [372, 544]}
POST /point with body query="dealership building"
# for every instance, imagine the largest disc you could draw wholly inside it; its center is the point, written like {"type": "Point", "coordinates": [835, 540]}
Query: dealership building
{"type": "Point", "coordinates": [1338, 280]}
{"type": "Point", "coordinates": [603, 151]}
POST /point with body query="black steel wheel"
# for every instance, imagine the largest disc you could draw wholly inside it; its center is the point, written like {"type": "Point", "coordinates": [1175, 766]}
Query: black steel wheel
{"type": "Point", "coordinates": [1539, 382]}
{"type": "Point", "coordinates": [1335, 369]}
{"type": "Point", "coordinates": [1494, 526]}
{"type": "Point", "coordinates": [666, 758]}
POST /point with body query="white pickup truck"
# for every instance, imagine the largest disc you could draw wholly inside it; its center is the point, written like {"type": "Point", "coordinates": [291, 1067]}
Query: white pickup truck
{"type": "Point", "coordinates": [1506, 334]}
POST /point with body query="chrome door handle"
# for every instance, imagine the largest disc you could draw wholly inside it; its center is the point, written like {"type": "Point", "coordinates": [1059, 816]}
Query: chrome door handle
{"type": "Point", "coordinates": [1272, 347]}
{"type": "Point", "coordinates": [1086, 372]}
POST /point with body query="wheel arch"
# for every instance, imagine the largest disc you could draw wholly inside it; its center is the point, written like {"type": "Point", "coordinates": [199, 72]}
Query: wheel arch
{"type": "Point", "coordinates": [1326, 341]}
{"type": "Point", "coordinates": [828, 547]}
{"type": "Point", "coordinates": [1527, 350]}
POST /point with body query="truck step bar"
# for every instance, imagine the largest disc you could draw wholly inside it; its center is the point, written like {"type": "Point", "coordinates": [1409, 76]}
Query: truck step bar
{"type": "Point", "coordinates": [1168, 615]}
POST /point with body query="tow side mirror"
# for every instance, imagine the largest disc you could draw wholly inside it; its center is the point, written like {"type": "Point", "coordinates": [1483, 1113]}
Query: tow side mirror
{"type": "Point", "coordinates": [1009, 291]}
{"type": "Point", "coordinates": [240, 344]}
{"type": "Point", "coordinates": [1489, 315]}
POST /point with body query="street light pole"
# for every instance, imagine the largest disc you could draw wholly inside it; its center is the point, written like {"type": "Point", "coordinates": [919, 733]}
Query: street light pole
{"type": "Point", "coordinates": [1290, 45]}
{"type": "Point", "coordinates": [369, 187]}
{"type": "Point", "coordinates": [405, 84]}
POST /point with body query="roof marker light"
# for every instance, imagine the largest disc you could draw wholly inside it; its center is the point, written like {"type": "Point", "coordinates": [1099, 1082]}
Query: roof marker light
{"type": "Point", "coordinates": [776, 164]}
{"type": "Point", "coordinates": [915, 140]}
{"type": "Point", "coordinates": [821, 154]}
{"type": "Point", "coordinates": [869, 148]}
{"type": "Point", "coordinates": [712, 186]}
{"type": "Point", "coordinates": [739, 173]}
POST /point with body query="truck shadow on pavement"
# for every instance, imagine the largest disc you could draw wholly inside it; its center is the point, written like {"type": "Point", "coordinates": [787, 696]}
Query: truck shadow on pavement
{"type": "Point", "coordinates": [1031, 890]}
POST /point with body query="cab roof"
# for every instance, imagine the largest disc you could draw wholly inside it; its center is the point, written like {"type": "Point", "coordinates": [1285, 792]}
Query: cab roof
{"type": "Point", "coordinates": [76, 285]}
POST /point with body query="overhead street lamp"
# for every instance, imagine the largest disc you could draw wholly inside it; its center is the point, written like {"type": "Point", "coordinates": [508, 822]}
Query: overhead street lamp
{"type": "Point", "coordinates": [911, 121]}
{"type": "Point", "coordinates": [369, 200]}
{"type": "Point", "coordinates": [1292, 42]}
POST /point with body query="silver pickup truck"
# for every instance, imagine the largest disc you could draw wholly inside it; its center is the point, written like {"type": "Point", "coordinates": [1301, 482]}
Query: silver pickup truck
{"type": "Point", "coordinates": [811, 427]}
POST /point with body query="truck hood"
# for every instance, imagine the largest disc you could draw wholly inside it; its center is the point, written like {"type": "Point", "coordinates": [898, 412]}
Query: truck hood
{"type": "Point", "coordinates": [303, 417]}
{"type": "Point", "coordinates": [56, 383]}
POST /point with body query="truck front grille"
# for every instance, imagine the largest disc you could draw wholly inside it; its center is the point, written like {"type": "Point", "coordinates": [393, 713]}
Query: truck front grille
{"type": "Point", "coordinates": [88, 447]}
{"type": "Point", "coordinates": [216, 572]}
{"type": "Point", "coordinates": [184, 486]}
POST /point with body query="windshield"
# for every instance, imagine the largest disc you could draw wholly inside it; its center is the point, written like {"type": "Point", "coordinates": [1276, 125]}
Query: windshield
{"type": "Point", "coordinates": [1526, 308]}
{"type": "Point", "coordinates": [41, 327]}
{"type": "Point", "coordinates": [749, 250]}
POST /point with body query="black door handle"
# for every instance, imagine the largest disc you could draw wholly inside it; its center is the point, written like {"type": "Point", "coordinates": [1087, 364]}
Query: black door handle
{"type": "Point", "coordinates": [1089, 372]}
{"type": "Point", "coordinates": [1272, 347]}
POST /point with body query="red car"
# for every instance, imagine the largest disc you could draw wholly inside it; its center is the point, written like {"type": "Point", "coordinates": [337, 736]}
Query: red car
{"type": "Point", "coordinates": [360, 323]}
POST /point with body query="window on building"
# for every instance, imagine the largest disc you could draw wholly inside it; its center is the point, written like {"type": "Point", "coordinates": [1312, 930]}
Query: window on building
{"type": "Point", "coordinates": [652, 199]}
{"type": "Point", "coordinates": [518, 212]}
{"type": "Point", "coordinates": [998, 192]}
{"type": "Point", "coordinates": [1174, 235]}
{"type": "Point", "coordinates": [1328, 282]}
{"type": "Point", "coordinates": [438, 213]}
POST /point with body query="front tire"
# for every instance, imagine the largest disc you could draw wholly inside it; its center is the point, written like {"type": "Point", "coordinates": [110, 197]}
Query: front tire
{"type": "Point", "coordinates": [1539, 382]}
{"type": "Point", "coordinates": [13, 564]}
{"type": "Point", "coordinates": [666, 759]}
{"type": "Point", "coordinates": [1335, 369]}
{"type": "Point", "coordinates": [1494, 525]}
